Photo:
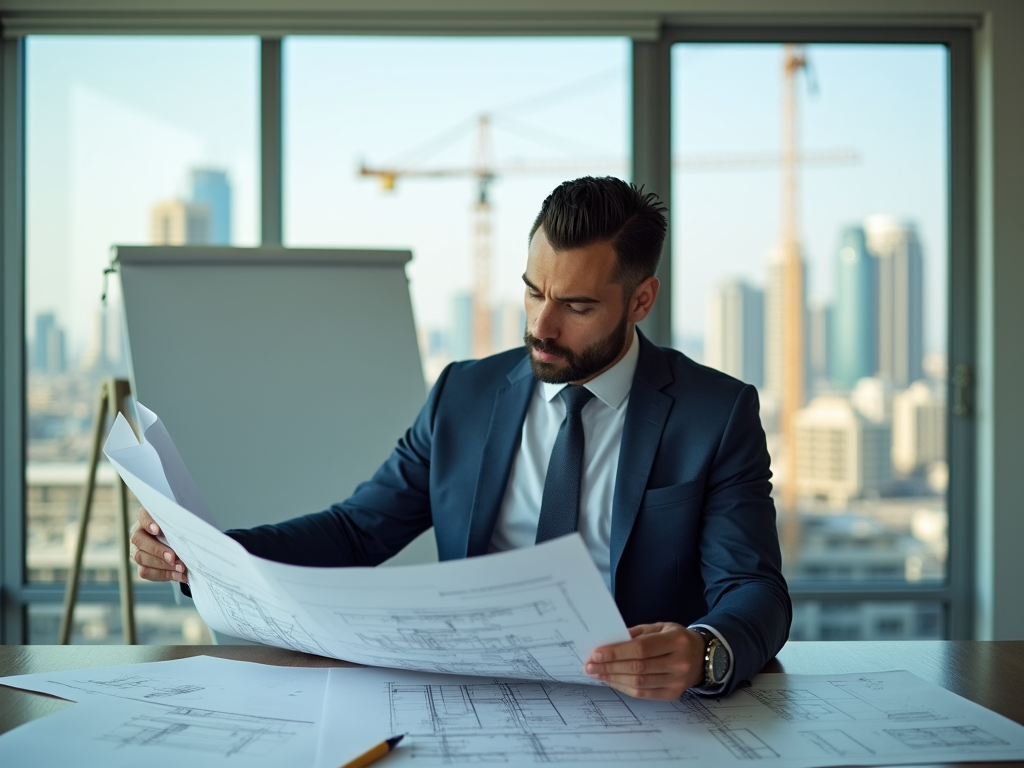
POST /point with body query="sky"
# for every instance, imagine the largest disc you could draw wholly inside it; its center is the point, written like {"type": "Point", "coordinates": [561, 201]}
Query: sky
{"type": "Point", "coordinates": [115, 124]}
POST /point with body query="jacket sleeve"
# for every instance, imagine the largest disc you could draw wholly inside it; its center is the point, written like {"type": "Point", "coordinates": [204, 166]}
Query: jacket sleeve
{"type": "Point", "coordinates": [741, 563]}
{"type": "Point", "coordinates": [376, 522]}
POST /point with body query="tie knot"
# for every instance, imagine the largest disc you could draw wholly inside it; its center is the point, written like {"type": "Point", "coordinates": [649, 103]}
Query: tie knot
{"type": "Point", "coordinates": [575, 397]}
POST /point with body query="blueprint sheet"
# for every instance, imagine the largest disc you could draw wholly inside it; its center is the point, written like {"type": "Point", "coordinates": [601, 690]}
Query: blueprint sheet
{"type": "Point", "coordinates": [780, 721]}
{"type": "Point", "coordinates": [201, 711]}
{"type": "Point", "coordinates": [533, 613]}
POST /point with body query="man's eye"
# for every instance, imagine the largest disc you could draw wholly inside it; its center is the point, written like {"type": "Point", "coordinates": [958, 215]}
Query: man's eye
{"type": "Point", "coordinates": [576, 311]}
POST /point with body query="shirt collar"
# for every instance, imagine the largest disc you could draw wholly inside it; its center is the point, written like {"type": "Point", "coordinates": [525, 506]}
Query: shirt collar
{"type": "Point", "coordinates": [612, 386]}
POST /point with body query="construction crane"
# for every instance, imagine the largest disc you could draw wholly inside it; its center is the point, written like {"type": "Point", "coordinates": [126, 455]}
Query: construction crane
{"type": "Point", "coordinates": [794, 60]}
{"type": "Point", "coordinates": [485, 170]}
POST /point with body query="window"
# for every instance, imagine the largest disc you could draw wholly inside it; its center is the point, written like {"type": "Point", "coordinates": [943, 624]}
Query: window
{"type": "Point", "coordinates": [448, 147]}
{"type": "Point", "coordinates": [130, 141]}
{"type": "Point", "coordinates": [810, 200]}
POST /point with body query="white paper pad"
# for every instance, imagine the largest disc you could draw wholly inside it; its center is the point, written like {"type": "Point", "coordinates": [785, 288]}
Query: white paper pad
{"type": "Point", "coordinates": [533, 613]}
{"type": "Point", "coordinates": [780, 721]}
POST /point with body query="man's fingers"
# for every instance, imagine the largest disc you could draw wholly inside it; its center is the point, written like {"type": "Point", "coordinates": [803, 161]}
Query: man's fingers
{"type": "Point", "coordinates": [147, 523]}
{"type": "Point", "coordinates": [147, 542]}
{"type": "Point", "coordinates": [647, 643]}
{"type": "Point", "coordinates": [150, 561]}
{"type": "Point", "coordinates": [161, 574]}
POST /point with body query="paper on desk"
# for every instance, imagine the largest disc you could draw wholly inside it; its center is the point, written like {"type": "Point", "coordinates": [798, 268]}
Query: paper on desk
{"type": "Point", "coordinates": [129, 734]}
{"type": "Point", "coordinates": [531, 613]}
{"type": "Point", "coordinates": [206, 682]}
{"type": "Point", "coordinates": [208, 711]}
{"type": "Point", "coordinates": [780, 721]}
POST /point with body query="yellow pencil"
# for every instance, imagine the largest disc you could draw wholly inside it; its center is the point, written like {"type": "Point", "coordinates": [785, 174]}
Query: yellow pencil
{"type": "Point", "coordinates": [375, 753]}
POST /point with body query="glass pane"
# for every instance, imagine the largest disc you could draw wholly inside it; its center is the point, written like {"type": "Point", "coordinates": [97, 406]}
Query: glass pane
{"type": "Point", "coordinates": [100, 624]}
{"type": "Point", "coordinates": [500, 121]}
{"type": "Point", "coordinates": [868, 620]}
{"type": "Point", "coordinates": [128, 141]}
{"type": "Point", "coordinates": [810, 243]}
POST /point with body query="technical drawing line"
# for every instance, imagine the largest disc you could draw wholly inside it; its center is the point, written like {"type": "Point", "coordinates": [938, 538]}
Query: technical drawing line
{"type": "Point", "coordinates": [203, 730]}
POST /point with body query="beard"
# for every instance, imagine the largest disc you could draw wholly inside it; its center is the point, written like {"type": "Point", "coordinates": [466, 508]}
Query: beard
{"type": "Point", "coordinates": [576, 366]}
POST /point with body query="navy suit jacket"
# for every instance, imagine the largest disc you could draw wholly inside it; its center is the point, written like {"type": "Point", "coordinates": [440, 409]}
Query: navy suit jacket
{"type": "Point", "coordinates": [693, 537]}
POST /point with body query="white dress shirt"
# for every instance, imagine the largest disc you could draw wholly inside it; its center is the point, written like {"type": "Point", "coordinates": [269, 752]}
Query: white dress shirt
{"type": "Point", "coordinates": [603, 420]}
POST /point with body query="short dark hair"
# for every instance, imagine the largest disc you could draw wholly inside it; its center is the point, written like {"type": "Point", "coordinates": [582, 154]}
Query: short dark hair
{"type": "Point", "coordinates": [592, 210]}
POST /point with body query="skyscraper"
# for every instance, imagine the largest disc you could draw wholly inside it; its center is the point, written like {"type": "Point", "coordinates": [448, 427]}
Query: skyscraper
{"type": "Point", "coordinates": [179, 222]}
{"type": "Point", "coordinates": [211, 187]}
{"type": "Point", "coordinates": [854, 336]}
{"type": "Point", "coordinates": [774, 309]}
{"type": "Point", "coordinates": [735, 336]}
{"type": "Point", "coordinates": [900, 295]}
{"type": "Point", "coordinates": [48, 350]}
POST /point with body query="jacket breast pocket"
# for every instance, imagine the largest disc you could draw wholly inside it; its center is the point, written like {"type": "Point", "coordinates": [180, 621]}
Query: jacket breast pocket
{"type": "Point", "coordinates": [672, 495]}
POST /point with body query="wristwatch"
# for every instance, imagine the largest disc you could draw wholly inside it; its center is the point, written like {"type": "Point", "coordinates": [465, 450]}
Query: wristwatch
{"type": "Point", "coordinates": [716, 659]}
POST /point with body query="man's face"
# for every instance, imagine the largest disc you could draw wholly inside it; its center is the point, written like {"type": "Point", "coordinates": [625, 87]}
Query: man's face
{"type": "Point", "coordinates": [577, 324]}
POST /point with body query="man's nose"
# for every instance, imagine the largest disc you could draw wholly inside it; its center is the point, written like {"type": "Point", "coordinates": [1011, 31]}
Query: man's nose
{"type": "Point", "coordinates": [545, 325]}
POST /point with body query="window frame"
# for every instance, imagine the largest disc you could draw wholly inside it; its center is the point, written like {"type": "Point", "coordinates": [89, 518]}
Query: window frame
{"type": "Point", "coordinates": [956, 595]}
{"type": "Point", "coordinates": [651, 165]}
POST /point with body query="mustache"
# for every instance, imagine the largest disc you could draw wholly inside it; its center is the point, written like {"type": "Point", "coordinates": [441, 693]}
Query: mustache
{"type": "Point", "coordinates": [546, 346]}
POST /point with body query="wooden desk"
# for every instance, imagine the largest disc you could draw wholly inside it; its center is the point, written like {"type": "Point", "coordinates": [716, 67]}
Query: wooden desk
{"type": "Point", "coordinates": [989, 673]}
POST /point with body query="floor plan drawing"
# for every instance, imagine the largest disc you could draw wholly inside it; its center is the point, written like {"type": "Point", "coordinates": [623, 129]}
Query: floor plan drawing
{"type": "Point", "coordinates": [201, 730]}
{"type": "Point", "coordinates": [778, 721]}
{"type": "Point", "coordinates": [959, 737]}
{"type": "Point", "coordinates": [543, 722]}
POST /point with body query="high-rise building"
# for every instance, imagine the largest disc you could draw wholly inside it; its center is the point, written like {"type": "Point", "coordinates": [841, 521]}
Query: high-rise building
{"type": "Point", "coordinates": [180, 222]}
{"type": "Point", "coordinates": [48, 347]}
{"type": "Point", "coordinates": [734, 340]}
{"type": "Point", "coordinates": [840, 454]}
{"type": "Point", "coordinates": [774, 309]}
{"type": "Point", "coordinates": [96, 355]}
{"type": "Point", "coordinates": [819, 324]}
{"type": "Point", "coordinates": [211, 187]}
{"type": "Point", "coordinates": [854, 333]}
{"type": "Point", "coordinates": [918, 428]}
{"type": "Point", "coordinates": [899, 281]}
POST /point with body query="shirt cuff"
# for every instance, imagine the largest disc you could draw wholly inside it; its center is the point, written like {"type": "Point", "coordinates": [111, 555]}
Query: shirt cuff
{"type": "Point", "coordinates": [717, 689]}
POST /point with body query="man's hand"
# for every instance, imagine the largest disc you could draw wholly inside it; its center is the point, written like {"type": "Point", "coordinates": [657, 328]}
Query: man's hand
{"type": "Point", "coordinates": [661, 662]}
{"type": "Point", "coordinates": [157, 561]}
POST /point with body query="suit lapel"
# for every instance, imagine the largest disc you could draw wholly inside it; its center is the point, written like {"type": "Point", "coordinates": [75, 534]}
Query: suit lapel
{"type": "Point", "coordinates": [504, 434]}
{"type": "Point", "coordinates": [646, 414]}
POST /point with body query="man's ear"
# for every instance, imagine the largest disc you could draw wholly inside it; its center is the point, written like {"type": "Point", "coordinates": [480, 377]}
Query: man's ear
{"type": "Point", "coordinates": [643, 299]}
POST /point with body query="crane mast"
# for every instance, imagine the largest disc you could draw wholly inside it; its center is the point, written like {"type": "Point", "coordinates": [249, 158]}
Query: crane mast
{"type": "Point", "coordinates": [793, 374]}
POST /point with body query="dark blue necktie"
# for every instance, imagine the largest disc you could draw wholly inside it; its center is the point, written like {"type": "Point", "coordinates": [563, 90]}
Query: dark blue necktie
{"type": "Point", "coordinates": [560, 505]}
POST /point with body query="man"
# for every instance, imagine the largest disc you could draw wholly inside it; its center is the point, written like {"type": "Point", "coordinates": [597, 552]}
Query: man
{"type": "Point", "coordinates": [658, 462]}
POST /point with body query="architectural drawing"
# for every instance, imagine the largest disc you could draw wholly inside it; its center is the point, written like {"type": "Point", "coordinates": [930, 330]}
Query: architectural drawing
{"type": "Point", "coordinates": [543, 722]}
{"type": "Point", "coordinates": [523, 630]}
{"type": "Point", "coordinates": [960, 738]}
{"type": "Point", "coordinates": [837, 743]}
{"type": "Point", "coordinates": [139, 687]}
{"type": "Point", "coordinates": [255, 618]}
{"type": "Point", "coordinates": [743, 743]}
{"type": "Point", "coordinates": [203, 730]}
